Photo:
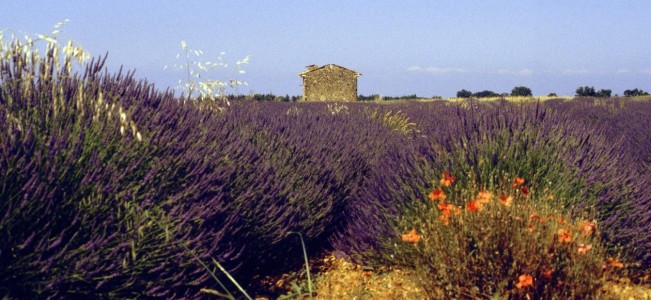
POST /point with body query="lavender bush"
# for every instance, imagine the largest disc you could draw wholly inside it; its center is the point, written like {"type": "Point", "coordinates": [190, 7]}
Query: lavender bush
{"type": "Point", "coordinates": [581, 165]}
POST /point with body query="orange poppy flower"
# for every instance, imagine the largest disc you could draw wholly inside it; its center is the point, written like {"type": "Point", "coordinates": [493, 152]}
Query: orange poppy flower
{"type": "Point", "coordinates": [561, 220]}
{"type": "Point", "coordinates": [445, 219]}
{"type": "Point", "coordinates": [615, 263]}
{"type": "Point", "coordinates": [517, 182]}
{"type": "Point", "coordinates": [448, 179]}
{"type": "Point", "coordinates": [531, 228]}
{"type": "Point", "coordinates": [412, 237]}
{"type": "Point", "coordinates": [547, 274]}
{"type": "Point", "coordinates": [456, 210]}
{"type": "Point", "coordinates": [524, 280]}
{"type": "Point", "coordinates": [505, 200]}
{"type": "Point", "coordinates": [444, 208]}
{"type": "Point", "coordinates": [484, 196]}
{"type": "Point", "coordinates": [535, 217]}
{"type": "Point", "coordinates": [584, 248]}
{"type": "Point", "coordinates": [564, 236]}
{"type": "Point", "coordinates": [437, 194]}
{"type": "Point", "coordinates": [587, 228]}
{"type": "Point", "coordinates": [474, 205]}
{"type": "Point", "coordinates": [525, 191]}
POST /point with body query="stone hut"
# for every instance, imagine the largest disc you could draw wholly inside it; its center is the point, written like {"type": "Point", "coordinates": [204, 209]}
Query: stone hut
{"type": "Point", "coordinates": [329, 83]}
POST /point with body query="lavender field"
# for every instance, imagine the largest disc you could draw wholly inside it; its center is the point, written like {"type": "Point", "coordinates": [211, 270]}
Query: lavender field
{"type": "Point", "coordinates": [111, 188]}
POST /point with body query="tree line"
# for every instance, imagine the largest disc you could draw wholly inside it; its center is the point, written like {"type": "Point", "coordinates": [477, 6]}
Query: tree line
{"type": "Point", "coordinates": [523, 91]}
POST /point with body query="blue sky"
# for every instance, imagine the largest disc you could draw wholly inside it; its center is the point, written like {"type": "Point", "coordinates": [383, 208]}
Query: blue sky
{"type": "Point", "coordinates": [404, 47]}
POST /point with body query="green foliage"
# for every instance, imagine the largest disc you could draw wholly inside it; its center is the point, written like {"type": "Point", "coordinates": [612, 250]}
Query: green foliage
{"type": "Point", "coordinates": [635, 93]}
{"type": "Point", "coordinates": [519, 147]}
{"type": "Point", "coordinates": [485, 94]}
{"type": "Point", "coordinates": [604, 93]}
{"type": "Point", "coordinates": [585, 91]}
{"type": "Point", "coordinates": [464, 94]}
{"type": "Point", "coordinates": [589, 91]}
{"type": "Point", "coordinates": [406, 97]}
{"type": "Point", "coordinates": [476, 244]}
{"type": "Point", "coordinates": [521, 91]}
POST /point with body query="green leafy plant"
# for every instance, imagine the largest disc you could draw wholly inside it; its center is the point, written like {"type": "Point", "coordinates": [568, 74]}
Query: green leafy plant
{"type": "Point", "coordinates": [501, 241]}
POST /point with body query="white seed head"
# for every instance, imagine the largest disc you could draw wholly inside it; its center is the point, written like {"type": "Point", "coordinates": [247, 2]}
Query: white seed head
{"type": "Point", "coordinates": [100, 98]}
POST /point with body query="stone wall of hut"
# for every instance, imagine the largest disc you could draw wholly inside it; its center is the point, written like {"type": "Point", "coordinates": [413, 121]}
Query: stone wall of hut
{"type": "Point", "coordinates": [330, 83]}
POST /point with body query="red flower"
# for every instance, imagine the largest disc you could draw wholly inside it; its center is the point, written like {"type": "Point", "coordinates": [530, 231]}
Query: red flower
{"type": "Point", "coordinates": [615, 263]}
{"type": "Point", "coordinates": [474, 205]}
{"type": "Point", "coordinates": [547, 274]}
{"type": "Point", "coordinates": [517, 182]}
{"type": "Point", "coordinates": [484, 196]}
{"type": "Point", "coordinates": [535, 217]}
{"type": "Point", "coordinates": [564, 236]}
{"type": "Point", "coordinates": [505, 200]}
{"type": "Point", "coordinates": [561, 220]}
{"type": "Point", "coordinates": [444, 208]}
{"type": "Point", "coordinates": [437, 194]}
{"type": "Point", "coordinates": [412, 237]}
{"type": "Point", "coordinates": [583, 248]}
{"type": "Point", "coordinates": [525, 191]}
{"type": "Point", "coordinates": [587, 228]}
{"type": "Point", "coordinates": [448, 179]}
{"type": "Point", "coordinates": [524, 280]}
{"type": "Point", "coordinates": [445, 219]}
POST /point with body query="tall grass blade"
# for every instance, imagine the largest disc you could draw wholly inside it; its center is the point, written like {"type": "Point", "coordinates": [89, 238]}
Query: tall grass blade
{"type": "Point", "coordinates": [307, 264]}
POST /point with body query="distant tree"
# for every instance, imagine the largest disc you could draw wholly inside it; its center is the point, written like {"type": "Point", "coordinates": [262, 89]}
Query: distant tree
{"type": "Point", "coordinates": [485, 94]}
{"type": "Point", "coordinates": [635, 93]}
{"type": "Point", "coordinates": [552, 95]}
{"type": "Point", "coordinates": [464, 94]}
{"type": "Point", "coordinates": [521, 91]}
{"type": "Point", "coordinates": [406, 97]}
{"type": "Point", "coordinates": [604, 93]}
{"type": "Point", "coordinates": [585, 91]}
{"type": "Point", "coordinates": [265, 97]}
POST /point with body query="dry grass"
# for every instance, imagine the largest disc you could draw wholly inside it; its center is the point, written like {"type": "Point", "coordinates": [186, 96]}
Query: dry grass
{"type": "Point", "coordinates": [623, 289]}
{"type": "Point", "coordinates": [345, 280]}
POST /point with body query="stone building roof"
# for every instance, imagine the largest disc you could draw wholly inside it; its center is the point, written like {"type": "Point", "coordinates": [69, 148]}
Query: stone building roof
{"type": "Point", "coordinates": [312, 68]}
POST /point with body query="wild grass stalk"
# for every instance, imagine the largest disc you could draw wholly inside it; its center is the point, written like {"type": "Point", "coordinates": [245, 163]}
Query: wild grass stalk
{"type": "Point", "coordinates": [307, 263]}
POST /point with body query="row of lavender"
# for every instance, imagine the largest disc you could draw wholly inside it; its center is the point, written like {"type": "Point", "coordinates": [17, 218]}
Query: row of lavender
{"type": "Point", "coordinates": [594, 156]}
{"type": "Point", "coordinates": [113, 188]}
